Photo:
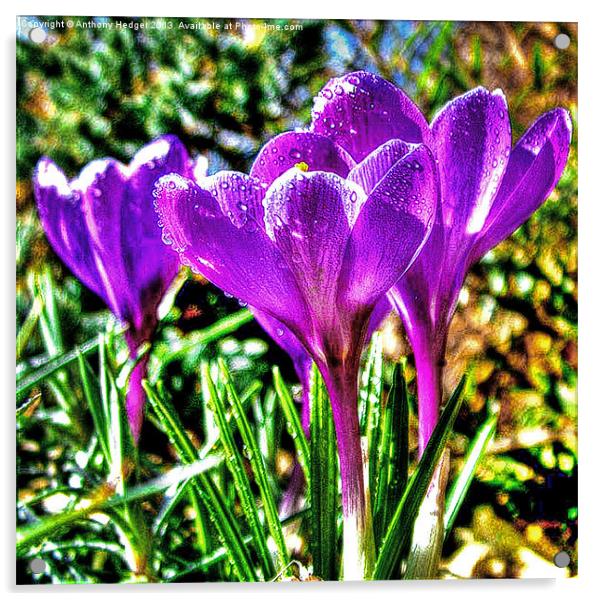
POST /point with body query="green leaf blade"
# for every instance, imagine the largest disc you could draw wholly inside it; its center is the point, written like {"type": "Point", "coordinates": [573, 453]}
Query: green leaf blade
{"type": "Point", "coordinates": [461, 484]}
{"type": "Point", "coordinates": [323, 482]}
{"type": "Point", "coordinates": [235, 464]}
{"type": "Point", "coordinates": [401, 525]}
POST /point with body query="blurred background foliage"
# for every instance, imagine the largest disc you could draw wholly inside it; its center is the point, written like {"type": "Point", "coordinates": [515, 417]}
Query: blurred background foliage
{"type": "Point", "coordinates": [87, 93]}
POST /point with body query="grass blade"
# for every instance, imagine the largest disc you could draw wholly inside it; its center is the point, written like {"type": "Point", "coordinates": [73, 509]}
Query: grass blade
{"type": "Point", "coordinates": [104, 498]}
{"type": "Point", "coordinates": [53, 365]}
{"type": "Point", "coordinates": [28, 407]}
{"type": "Point", "coordinates": [371, 384]}
{"type": "Point", "coordinates": [424, 555]}
{"type": "Point", "coordinates": [236, 466]}
{"type": "Point", "coordinates": [324, 478]}
{"type": "Point", "coordinates": [213, 500]}
{"type": "Point", "coordinates": [370, 408]}
{"type": "Point", "coordinates": [91, 391]}
{"type": "Point", "coordinates": [401, 525]}
{"type": "Point", "coordinates": [118, 433]}
{"type": "Point", "coordinates": [462, 482]}
{"type": "Point", "coordinates": [194, 341]}
{"type": "Point", "coordinates": [28, 326]}
{"type": "Point", "coordinates": [392, 472]}
{"type": "Point", "coordinates": [293, 423]}
{"type": "Point", "coordinates": [258, 467]}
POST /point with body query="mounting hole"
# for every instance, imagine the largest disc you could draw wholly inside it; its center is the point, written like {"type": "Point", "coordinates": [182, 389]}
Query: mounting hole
{"type": "Point", "coordinates": [562, 559]}
{"type": "Point", "coordinates": [37, 566]}
{"type": "Point", "coordinates": [37, 35]}
{"type": "Point", "coordinates": [562, 41]}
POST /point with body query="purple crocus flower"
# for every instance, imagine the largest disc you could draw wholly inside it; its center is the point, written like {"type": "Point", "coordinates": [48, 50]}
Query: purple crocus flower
{"type": "Point", "coordinates": [306, 240]}
{"type": "Point", "coordinates": [102, 225]}
{"type": "Point", "coordinates": [487, 190]}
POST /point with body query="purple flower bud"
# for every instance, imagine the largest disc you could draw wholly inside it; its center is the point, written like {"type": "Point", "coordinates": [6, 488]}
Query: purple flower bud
{"type": "Point", "coordinates": [103, 227]}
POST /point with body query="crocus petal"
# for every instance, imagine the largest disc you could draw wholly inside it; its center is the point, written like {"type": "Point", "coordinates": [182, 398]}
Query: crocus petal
{"type": "Point", "coordinates": [240, 259]}
{"type": "Point", "coordinates": [360, 111]}
{"type": "Point", "coordinates": [64, 224]}
{"type": "Point", "coordinates": [238, 195]}
{"type": "Point", "coordinates": [534, 168]}
{"type": "Point", "coordinates": [288, 342]}
{"type": "Point", "coordinates": [374, 167]}
{"type": "Point", "coordinates": [149, 268]}
{"type": "Point", "coordinates": [471, 141]}
{"type": "Point", "coordinates": [392, 226]}
{"type": "Point", "coordinates": [309, 215]}
{"type": "Point", "coordinates": [381, 310]}
{"type": "Point", "coordinates": [283, 152]}
{"type": "Point", "coordinates": [102, 185]}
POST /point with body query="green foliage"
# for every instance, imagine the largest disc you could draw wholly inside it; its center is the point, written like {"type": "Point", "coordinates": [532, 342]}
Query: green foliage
{"type": "Point", "coordinates": [323, 489]}
{"type": "Point", "coordinates": [398, 530]}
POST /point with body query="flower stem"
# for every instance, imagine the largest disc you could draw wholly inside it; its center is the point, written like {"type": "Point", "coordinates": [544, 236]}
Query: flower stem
{"type": "Point", "coordinates": [358, 536]}
{"type": "Point", "coordinates": [293, 496]}
{"type": "Point", "coordinates": [136, 397]}
{"type": "Point", "coordinates": [429, 359]}
{"type": "Point", "coordinates": [427, 538]}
